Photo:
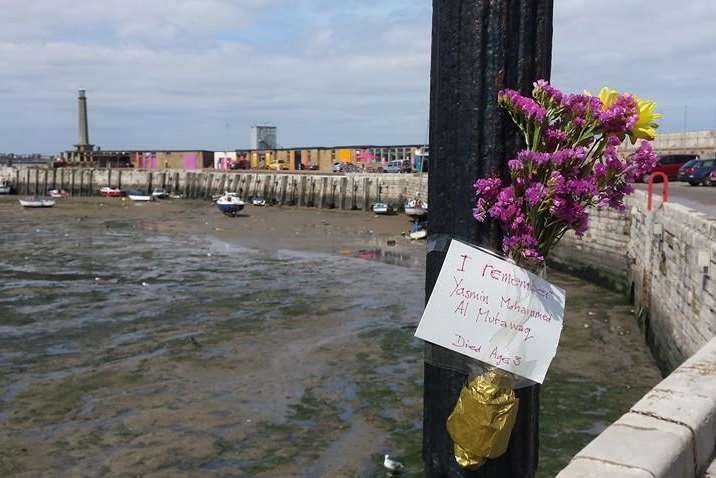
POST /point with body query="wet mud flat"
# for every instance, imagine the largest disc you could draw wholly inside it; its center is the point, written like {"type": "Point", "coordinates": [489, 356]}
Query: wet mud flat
{"type": "Point", "coordinates": [164, 340]}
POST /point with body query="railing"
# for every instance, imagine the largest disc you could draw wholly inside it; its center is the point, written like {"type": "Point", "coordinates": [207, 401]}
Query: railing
{"type": "Point", "coordinates": [664, 189]}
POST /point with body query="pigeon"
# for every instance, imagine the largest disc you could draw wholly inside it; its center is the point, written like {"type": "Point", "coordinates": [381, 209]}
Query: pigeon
{"type": "Point", "coordinates": [392, 465]}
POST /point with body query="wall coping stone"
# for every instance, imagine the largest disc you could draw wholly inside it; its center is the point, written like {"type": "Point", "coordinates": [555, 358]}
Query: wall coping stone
{"type": "Point", "coordinates": [669, 433]}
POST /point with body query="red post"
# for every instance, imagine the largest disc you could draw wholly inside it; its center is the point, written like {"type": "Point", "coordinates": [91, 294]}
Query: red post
{"type": "Point", "coordinates": [664, 189]}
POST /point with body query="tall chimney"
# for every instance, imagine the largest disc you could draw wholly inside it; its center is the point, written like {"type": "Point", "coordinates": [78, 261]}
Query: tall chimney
{"type": "Point", "coordinates": [83, 144]}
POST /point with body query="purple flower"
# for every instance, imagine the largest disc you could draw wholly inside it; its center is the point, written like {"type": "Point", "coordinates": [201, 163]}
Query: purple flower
{"type": "Point", "coordinates": [521, 105]}
{"type": "Point", "coordinates": [643, 161]}
{"type": "Point", "coordinates": [515, 164]}
{"type": "Point", "coordinates": [546, 93]}
{"type": "Point", "coordinates": [535, 193]}
{"type": "Point", "coordinates": [488, 188]}
{"type": "Point", "coordinates": [554, 136]}
{"type": "Point", "coordinates": [620, 117]}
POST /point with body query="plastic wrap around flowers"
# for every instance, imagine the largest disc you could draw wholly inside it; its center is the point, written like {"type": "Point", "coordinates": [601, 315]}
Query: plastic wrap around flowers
{"type": "Point", "coordinates": [570, 163]}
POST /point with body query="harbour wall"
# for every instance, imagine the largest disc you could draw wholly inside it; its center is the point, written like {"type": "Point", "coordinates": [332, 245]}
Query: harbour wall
{"type": "Point", "coordinates": [339, 191]}
{"type": "Point", "coordinates": [664, 260]}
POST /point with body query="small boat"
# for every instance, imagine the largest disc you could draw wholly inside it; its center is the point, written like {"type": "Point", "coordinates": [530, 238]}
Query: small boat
{"type": "Point", "coordinates": [160, 194]}
{"type": "Point", "coordinates": [382, 208]}
{"type": "Point", "coordinates": [5, 187]}
{"type": "Point", "coordinates": [58, 193]}
{"type": "Point", "coordinates": [138, 196]}
{"type": "Point", "coordinates": [110, 192]}
{"type": "Point", "coordinates": [416, 208]}
{"type": "Point", "coordinates": [216, 197]}
{"type": "Point", "coordinates": [419, 230]}
{"type": "Point", "coordinates": [37, 202]}
{"type": "Point", "coordinates": [258, 201]}
{"type": "Point", "coordinates": [230, 205]}
{"type": "Point", "coordinates": [176, 196]}
{"type": "Point", "coordinates": [419, 234]}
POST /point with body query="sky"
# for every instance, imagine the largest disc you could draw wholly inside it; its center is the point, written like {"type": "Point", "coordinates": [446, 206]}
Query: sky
{"type": "Point", "coordinates": [196, 74]}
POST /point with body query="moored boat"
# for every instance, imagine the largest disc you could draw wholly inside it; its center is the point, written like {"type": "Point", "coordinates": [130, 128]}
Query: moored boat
{"type": "Point", "coordinates": [5, 187]}
{"type": "Point", "coordinates": [160, 194]}
{"type": "Point", "coordinates": [58, 193]}
{"type": "Point", "coordinates": [258, 201]}
{"type": "Point", "coordinates": [419, 230]}
{"type": "Point", "coordinates": [381, 208]}
{"type": "Point", "coordinates": [216, 197]}
{"type": "Point", "coordinates": [230, 205]}
{"type": "Point", "coordinates": [416, 208]}
{"type": "Point", "coordinates": [110, 192]}
{"type": "Point", "coordinates": [37, 202]}
{"type": "Point", "coordinates": [140, 196]}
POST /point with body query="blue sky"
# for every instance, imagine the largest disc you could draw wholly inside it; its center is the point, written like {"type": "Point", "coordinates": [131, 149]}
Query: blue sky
{"type": "Point", "coordinates": [198, 73]}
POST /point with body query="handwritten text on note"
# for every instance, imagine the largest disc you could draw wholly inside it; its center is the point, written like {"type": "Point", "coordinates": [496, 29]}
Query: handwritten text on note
{"type": "Point", "coordinates": [494, 311]}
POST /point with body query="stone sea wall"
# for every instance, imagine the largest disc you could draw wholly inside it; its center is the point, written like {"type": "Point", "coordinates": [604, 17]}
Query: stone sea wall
{"type": "Point", "coordinates": [665, 259]}
{"type": "Point", "coordinates": [669, 433]}
{"type": "Point", "coordinates": [349, 191]}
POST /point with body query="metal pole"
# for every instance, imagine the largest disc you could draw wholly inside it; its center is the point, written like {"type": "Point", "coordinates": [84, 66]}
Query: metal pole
{"type": "Point", "coordinates": [478, 48]}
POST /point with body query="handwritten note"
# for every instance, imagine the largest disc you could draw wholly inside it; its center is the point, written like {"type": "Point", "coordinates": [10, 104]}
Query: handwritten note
{"type": "Point", "coordinates": [493, 311]}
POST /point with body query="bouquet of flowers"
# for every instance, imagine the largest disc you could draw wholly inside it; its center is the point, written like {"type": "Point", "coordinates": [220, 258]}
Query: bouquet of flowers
{"type": "Point", "coordinates": [569, 164]}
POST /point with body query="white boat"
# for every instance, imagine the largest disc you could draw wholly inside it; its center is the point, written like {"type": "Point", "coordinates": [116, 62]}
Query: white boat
{"type": "Point", "coordinates": [416, 208]}
{"type": "Point", "coordinates": [160, 194]}
{"type": "Point", "coordinates": [58, 193]}
{"type": "Point", "coordinates": [381, 208]}
{"type": "Point", "coordinates": [140, 197]}
{"type": "Point", "coordinates": [110, 192]}
{"type": "Point", "coordinates": [230, 205]}
{"type": "Point", "coordinates": [419, 230]}
{"type": "Point", "coordinates": [258, 201]}
{"type": "Point", "coordinates": [5, 187]}
{"type": "Point", "coordinates": [419, 234]}
{"type": "Point", "coordinates": [216, 197]}
{"type": "Point", "coordinates": [37, 202]}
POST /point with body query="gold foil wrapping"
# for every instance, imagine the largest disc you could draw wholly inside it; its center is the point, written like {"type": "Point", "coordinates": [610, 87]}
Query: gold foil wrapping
{"type": "Point", "coordinates": [483, 418]}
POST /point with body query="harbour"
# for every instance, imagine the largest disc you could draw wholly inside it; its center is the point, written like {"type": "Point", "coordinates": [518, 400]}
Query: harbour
{"type": "Point", "coordinates": [167, 339]}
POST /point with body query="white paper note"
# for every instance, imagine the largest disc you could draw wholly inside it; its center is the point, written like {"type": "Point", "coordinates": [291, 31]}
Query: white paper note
{"type": "Point", "coordinates": [493, 311]}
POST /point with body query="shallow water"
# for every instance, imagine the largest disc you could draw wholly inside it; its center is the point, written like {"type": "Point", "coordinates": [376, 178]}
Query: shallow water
{"type": "Point", "coordinates": [134, 347]}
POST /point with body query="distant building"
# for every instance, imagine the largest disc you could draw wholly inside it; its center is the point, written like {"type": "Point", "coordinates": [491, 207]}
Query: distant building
{"type": "Point", "coordinates": [264, 137]}
{"type": "Point", "coordinates": [371, 158]}
{"type": "Point", "coordinates": [12, 159]}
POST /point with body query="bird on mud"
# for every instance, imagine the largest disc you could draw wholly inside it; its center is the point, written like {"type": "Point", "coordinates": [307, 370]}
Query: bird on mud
{"type": "Point", "coordinates": [393, 466]}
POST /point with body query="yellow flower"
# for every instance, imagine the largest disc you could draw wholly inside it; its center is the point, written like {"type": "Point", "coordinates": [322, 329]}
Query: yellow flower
{"type": "Point", "coordinates": [608, 97]}
{"type": "Point", "coordinates": [646, 123]}
{"type": "Point", "coordinates": [645, 126]}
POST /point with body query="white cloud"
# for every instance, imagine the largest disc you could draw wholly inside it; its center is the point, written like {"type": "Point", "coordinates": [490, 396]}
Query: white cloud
{"type": "Point", "coordinates": [172, 74]}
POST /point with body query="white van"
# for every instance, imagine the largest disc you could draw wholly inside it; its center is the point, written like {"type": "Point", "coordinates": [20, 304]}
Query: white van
{"type": "Point", "coordinates": [395, 166]}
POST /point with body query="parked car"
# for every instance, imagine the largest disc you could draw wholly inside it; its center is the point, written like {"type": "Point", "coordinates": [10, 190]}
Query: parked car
{"type": "Point", "coordinates": [345, 168]}
{"type": "Point", "coordinates": [700, 172]}
{"type": "Point", "coordinates": [669, 164]}
{"type": "Point", "coordinates": [712, 176]}
{"type": "Point", "coordinates": [398, 166]}
{"type": "Point", "coordinates": [681, 176]}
